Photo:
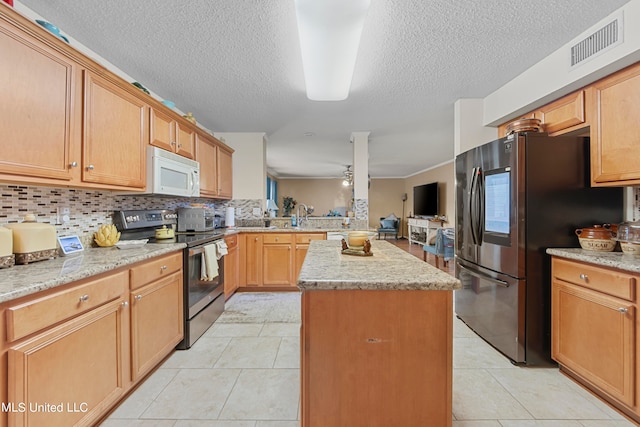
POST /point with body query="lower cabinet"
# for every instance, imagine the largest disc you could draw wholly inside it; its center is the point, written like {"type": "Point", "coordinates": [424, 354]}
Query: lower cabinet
{"type": "Point", "coordinates": [277, 260]}
{"type": "Point", "coordinates": [594, 330]}
{"type": "Point", "coordinates": [231, 266]}
{"type": "Point", "coordinates": [67, 357]}
{"type": "Point", "coordinates": [274, 259]}
{"type": "Point", "coordinates": [73, 373]}
{"type": "Point", "coordinates": [156, 322]}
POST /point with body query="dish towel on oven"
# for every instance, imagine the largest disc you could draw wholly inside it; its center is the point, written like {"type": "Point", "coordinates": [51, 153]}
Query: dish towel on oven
{"type": "Point", "coordinates": [222, 248]}
{"type": "Point", "coordinates": [209, 263]}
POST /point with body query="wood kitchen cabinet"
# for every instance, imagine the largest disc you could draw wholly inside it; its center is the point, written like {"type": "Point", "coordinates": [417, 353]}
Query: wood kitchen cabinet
{"type": "Point", "coordinates": [302, 246]}
{"type": "Point", "coordinates": [168, 133]}
{"type": "Point", "coordinates": [273, 259]}
{"type": "Point", "coordinates": [115, 134]}
{"type": "Point", "coordinates": [253, 259]}
{"type": "Point", "coordinates": [277, 259]}
{"type": "Point", "coordinates": [216, 168]}
{"type": "Point", "coordinates": [231, 265]}
{"type": "Point", "coordinates": [39, 112]}
{"type": "Point", "coordinates": [615, 142]}
{"type": "Point", "coordinates": [564, 115]}
{"type": "Point", "coordinates": [156, 322]}
{"type": "Point", "coordinates": [595, 330]}
{"type": "Point", "coordinates": [79, 363]}
{"type": "Point", "coordinates": [87, 343]}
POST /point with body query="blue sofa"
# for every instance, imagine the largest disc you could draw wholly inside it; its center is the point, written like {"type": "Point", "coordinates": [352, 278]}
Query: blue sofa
{"type": "Point", "coordinates": [443, 248]}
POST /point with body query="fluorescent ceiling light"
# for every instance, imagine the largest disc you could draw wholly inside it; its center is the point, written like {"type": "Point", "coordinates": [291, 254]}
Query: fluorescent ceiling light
{"type": "Point", "coordinates": [329, 33]}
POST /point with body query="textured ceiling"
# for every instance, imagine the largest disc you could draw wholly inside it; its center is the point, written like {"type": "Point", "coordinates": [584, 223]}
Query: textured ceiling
{"type": "Point", "coordinates": [236, 65]}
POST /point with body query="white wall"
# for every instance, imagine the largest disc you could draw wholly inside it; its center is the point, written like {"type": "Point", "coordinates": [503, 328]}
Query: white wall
{"type": "Point", "coordinates": [552, 78]}
{"type": "Point", "coordinates": [469, 130]}
{"type": "Point", "coordinates": [249, 163]}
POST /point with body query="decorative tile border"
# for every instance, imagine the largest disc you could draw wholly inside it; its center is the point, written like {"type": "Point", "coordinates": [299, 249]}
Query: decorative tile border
{"type": "Point", "coordinates": [361, 209]}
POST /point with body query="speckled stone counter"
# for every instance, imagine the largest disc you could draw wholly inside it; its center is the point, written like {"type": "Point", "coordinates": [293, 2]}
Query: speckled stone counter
{"type": "Point", "coordinates": [299, 230]}
{"type": "Point", "coordinates": [389, 268]}
{"type": "Point", "coordinates": [21, 280]}
{"type": "Point", "coordinates": [618, 260]}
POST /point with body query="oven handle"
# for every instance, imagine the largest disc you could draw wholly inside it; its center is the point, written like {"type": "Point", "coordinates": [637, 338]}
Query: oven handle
{"type": "Point", "coordinates": [197, 251]}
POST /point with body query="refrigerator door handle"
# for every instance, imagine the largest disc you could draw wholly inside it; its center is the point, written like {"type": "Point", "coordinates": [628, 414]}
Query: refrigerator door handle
{"type": "Point", "coordinates": [472, 211]}
{"type": "Point", "coordinates": [484, 276]}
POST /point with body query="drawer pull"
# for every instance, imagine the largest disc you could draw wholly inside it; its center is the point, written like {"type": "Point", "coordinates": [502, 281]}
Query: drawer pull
{"type": "Point", "coordinates": [125, 303]}
{"type": "Point", "coordinates": [584, 276]}
{"type": "Point", "coordinates": [138, 297]}
{"type": "Point", "coordinates": [84, 298]}
{"type": "Point", "coordinates": [163, 268]}
{"type": "Point", "coordinates": [623, 310]}
{"type": "Point", "coordinates": [256, 239]}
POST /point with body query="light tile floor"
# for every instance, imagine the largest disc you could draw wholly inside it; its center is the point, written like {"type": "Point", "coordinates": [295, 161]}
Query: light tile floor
{"type": "Point", "coordinates": [247, 375]}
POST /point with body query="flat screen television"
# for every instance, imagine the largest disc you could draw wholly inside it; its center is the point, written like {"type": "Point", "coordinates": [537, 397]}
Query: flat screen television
{"type": "Point", "coordinates": [425, 200]}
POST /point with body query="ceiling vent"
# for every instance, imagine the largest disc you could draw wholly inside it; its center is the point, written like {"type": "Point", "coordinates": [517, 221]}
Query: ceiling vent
{"type": "Point", "coordinates": [600, 41]}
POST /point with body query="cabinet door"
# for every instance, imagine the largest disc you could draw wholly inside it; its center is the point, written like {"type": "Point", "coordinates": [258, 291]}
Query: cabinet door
{"type": "Point", "coordinates": [301, 253]}
{"type": "Point", "coordinates": [162, 130]}
{"type": "Point", "coordinates": [615, 142]}
{"type": "Point", "coordinates": [593, 335]}
{"type": "Point", "coordinates": [206, 156]}
{"type": "Point", "coordinates": [225, 173]}
{"type": "Point", "coordinates": [253, 259]}
{"type": "Point", "coordinates": [186, 141]}
{"type": "Point", "coordinates": [37, 109]}
{"type": "Point", "coordinates": [77, 365]}
{"type": "Point", "coordinates": [231, 264]}
{"type": "Point", "coordinates": [115, 135]}
{"type": "Point", "coordinates": [157, 323]}
{"type": "Point", "coordinates": [564, 115]}
{"type": "Point", "coordinates": [277, 264]}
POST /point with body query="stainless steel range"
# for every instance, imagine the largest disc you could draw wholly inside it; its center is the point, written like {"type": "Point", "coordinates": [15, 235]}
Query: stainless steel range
{"type": "Point", "coordinates": [203, 299]}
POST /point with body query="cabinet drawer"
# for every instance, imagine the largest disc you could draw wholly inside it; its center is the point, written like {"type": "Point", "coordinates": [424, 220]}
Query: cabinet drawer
{"type": "Point", "coordinates": [30, 317]}
{"type": "Point", "coordinates": [277, 238]}
{"type": "Point", "coordinates": [155, 269]}
{"type": "Point", "coordinates": [609, 281]}
{"type": "Point", "coordinates": [308, 237]}
{"type": "Point", "coordinates": [232, 241]}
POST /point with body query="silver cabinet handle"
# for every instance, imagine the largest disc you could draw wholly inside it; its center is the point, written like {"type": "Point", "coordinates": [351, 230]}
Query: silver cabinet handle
{"type": "Point", "coordinates": [138, 297]}
{"type": "Point", "coordinates": [163, 268]}
{"type": "Point", "coordinates": [276, 239]}
{"type": "Point", "coordinates": [125, 303]}
{"type": "Point", "coordinates": [584, 276]}
{"type": "Point", "coordinates": [623, 310]}
{"type": "Point", "coordinates": [84, 298]}
{"type": "Point", "coordinates": [73, 164]}
{"type": "Point", "coordinates": [256, 239]}
{"type": "Point", "coordinates": [173, 143]}
{"type": "Point", "coordinates": [179, 145]}
{"type": "Point", "coordinates": [90, 167]}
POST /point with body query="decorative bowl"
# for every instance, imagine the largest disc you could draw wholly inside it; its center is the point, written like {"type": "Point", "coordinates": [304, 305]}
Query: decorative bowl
{"type": "Point", "coordinates": [356, 239]}
{"type": "Point", "coordinates": [630, 248]}
{"type": "Point", "coordinates": [169, 104]}
{"type": "Point", "coordinates": [49, 26]}
{"type": "Point", "coordinates": [601, 245]}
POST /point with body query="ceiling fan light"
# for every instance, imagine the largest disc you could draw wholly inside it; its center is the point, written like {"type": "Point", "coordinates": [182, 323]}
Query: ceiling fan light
{"type": "Point", "coordinates": [329, 34]}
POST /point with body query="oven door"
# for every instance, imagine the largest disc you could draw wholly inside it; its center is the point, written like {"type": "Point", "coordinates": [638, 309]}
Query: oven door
{"type": "Point", "coordinates": [201, 293]}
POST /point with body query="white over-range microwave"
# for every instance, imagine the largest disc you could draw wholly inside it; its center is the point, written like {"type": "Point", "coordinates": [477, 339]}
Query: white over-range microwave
{"type": "Point", "coordinates": [171, 174]}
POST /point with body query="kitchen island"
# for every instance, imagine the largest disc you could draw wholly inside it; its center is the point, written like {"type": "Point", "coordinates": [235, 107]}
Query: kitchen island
{"type": "Point", "coordinates": [376, 338]}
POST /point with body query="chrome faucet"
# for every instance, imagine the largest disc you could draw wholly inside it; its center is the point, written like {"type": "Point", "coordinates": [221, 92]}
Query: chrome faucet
{"type": "Point", "coordinates": [306, 214]}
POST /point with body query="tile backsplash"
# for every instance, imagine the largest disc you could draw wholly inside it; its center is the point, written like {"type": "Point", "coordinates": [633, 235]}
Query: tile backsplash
{"type": "Point", "coordinates": [88, 209]}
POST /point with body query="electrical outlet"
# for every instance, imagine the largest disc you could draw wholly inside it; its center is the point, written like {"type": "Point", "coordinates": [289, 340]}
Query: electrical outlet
{"type": "Point", "coordinates": [257, 211]}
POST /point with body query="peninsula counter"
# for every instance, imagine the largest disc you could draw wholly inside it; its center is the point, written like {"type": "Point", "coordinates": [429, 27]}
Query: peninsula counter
{"type": "Point", "coordinates": [376, 338]}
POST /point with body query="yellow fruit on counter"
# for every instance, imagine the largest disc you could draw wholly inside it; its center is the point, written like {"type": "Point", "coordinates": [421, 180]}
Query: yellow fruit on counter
{"type": "Point", "coordinates": [107, 235]}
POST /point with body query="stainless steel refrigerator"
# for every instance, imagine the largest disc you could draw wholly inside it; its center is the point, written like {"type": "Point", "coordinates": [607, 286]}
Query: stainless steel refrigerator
{"type": "Point", "coordinates": [516, 197]}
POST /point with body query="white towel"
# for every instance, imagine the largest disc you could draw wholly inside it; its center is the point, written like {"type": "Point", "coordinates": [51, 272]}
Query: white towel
{"type": "Point", "coordinates": [222, 248]}
{"type": "Point", "coordinates": [209, 270]}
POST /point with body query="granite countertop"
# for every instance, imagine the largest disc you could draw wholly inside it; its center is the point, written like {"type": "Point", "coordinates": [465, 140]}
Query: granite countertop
{"type": "Point", "coordinates": [618, 260]}
{"type": "Point", "coordinates": [273, 229]}
{"type": "Point", "coordinates": [21, 280]}
{"type": "Point", "coordinates": [389, 268]}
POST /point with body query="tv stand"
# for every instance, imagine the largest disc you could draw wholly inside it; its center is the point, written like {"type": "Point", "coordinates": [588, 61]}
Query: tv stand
{"type": "Point", "coordinates": [419, 229]}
